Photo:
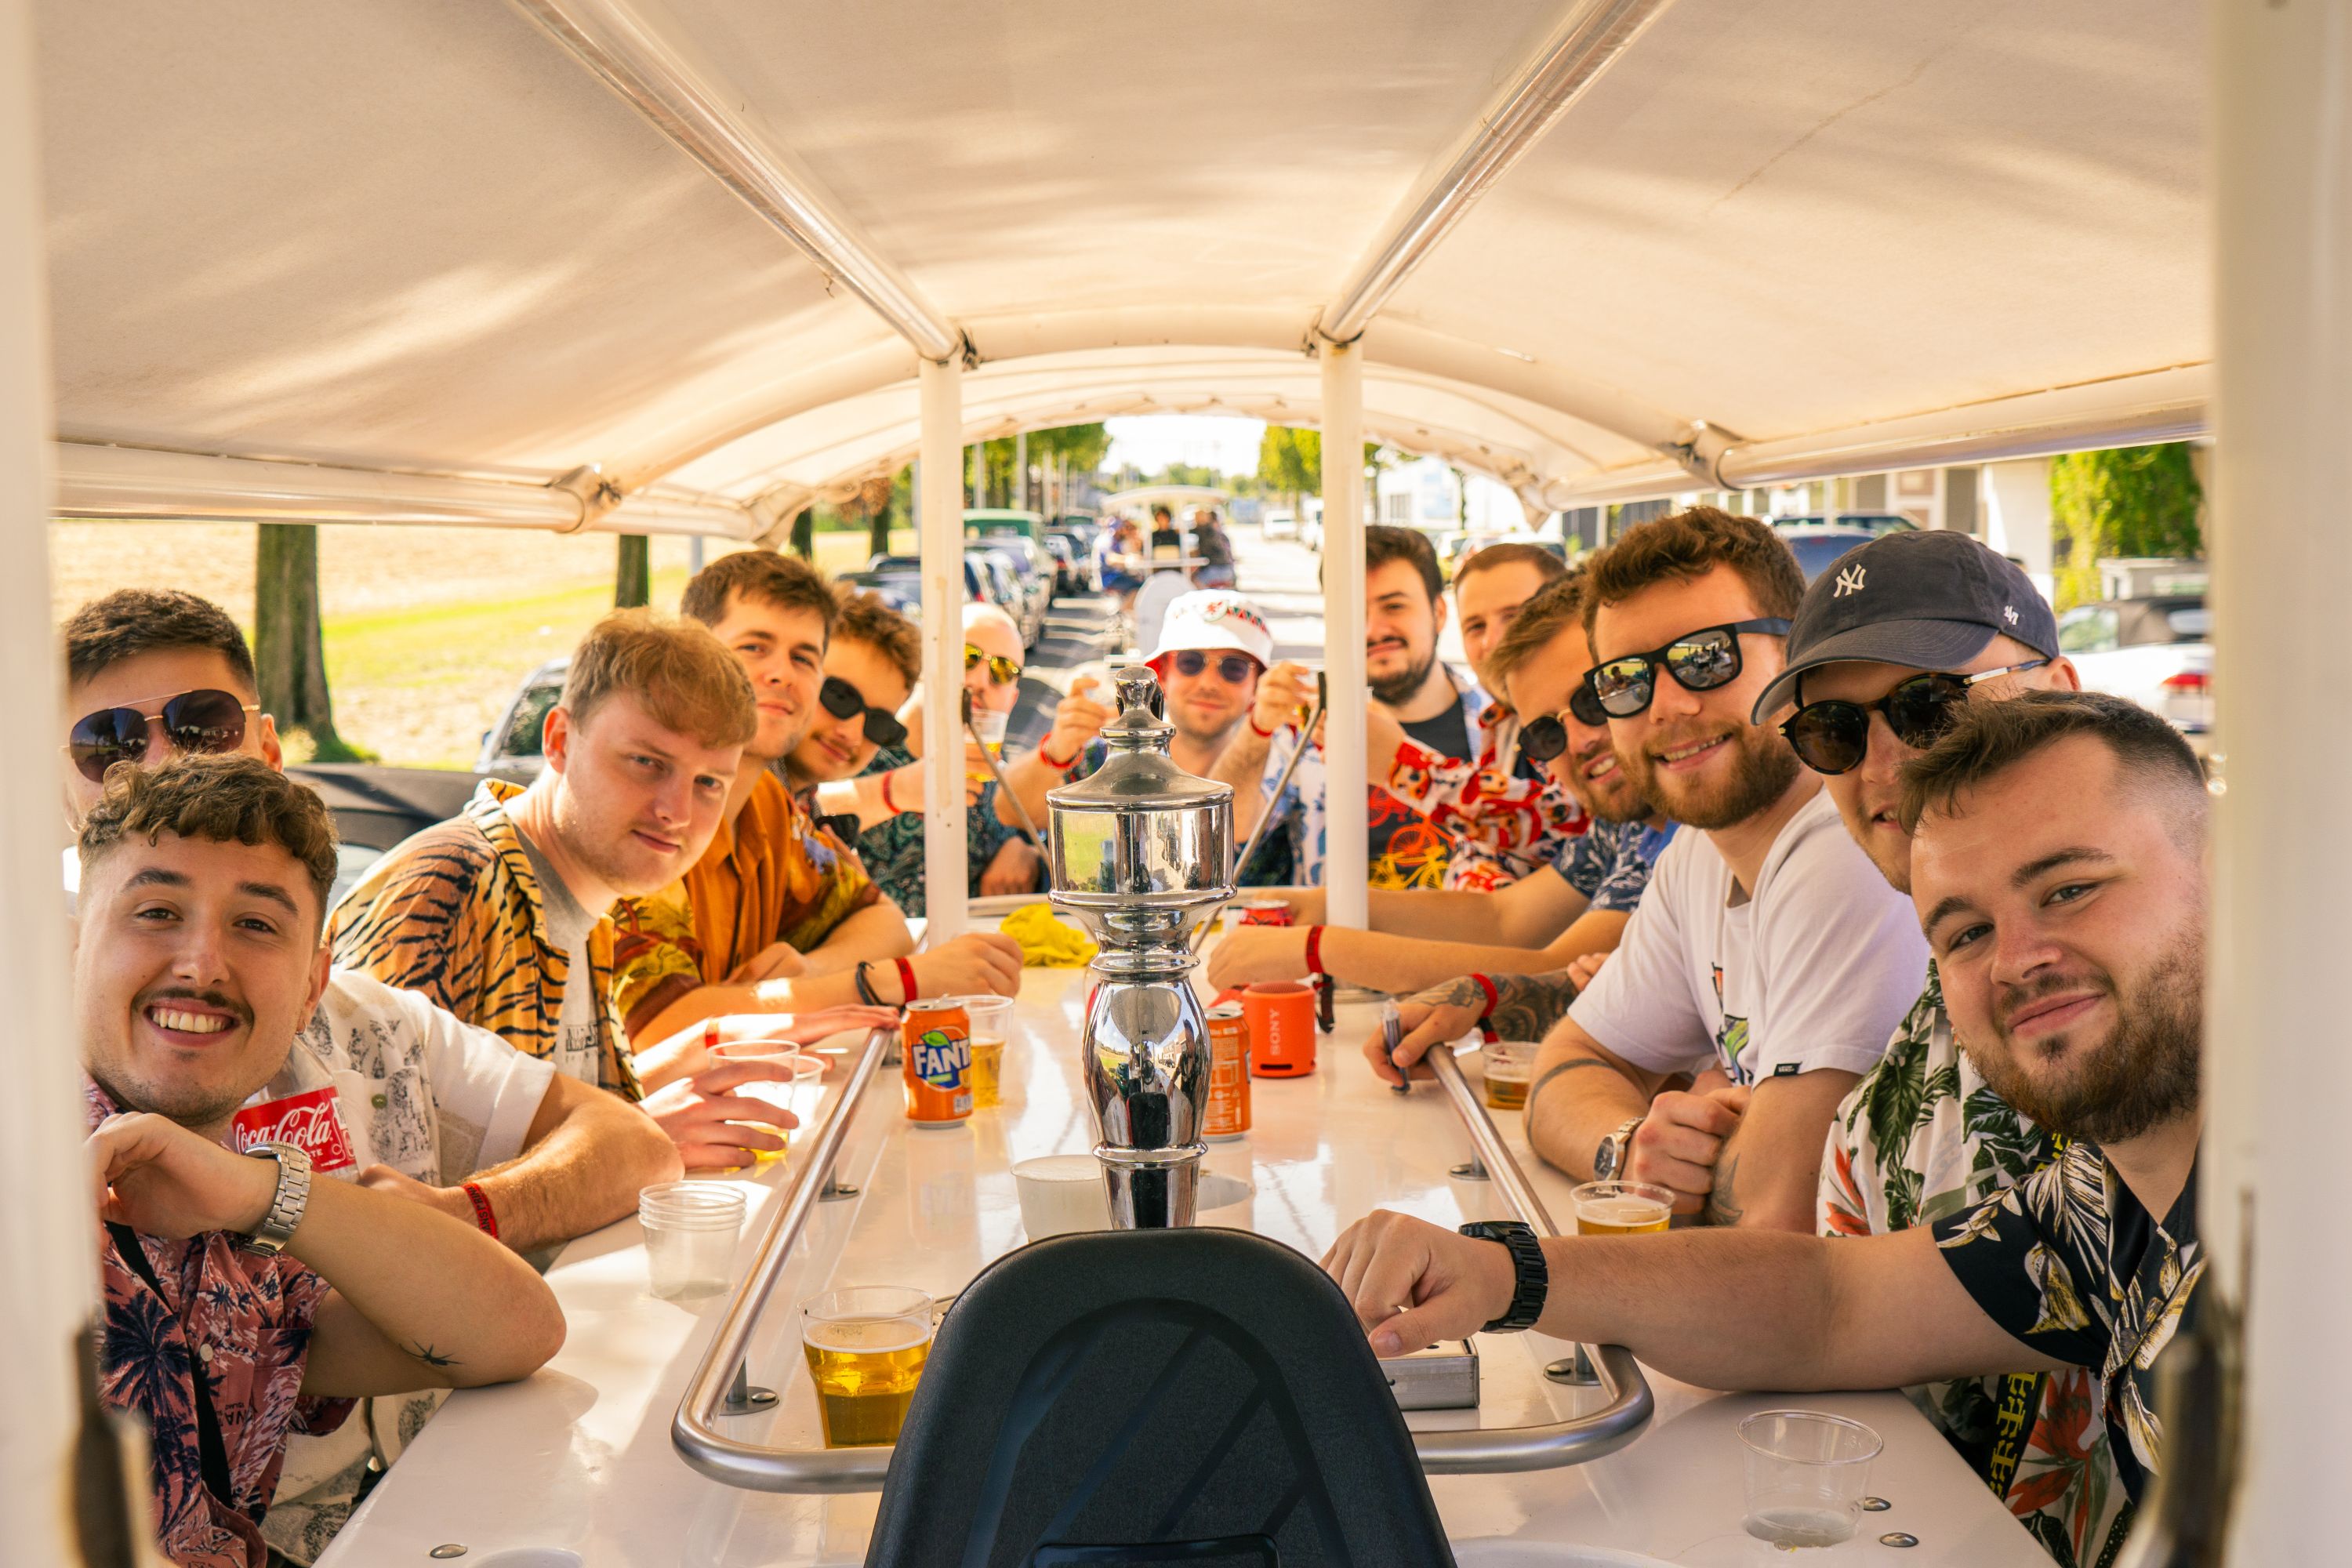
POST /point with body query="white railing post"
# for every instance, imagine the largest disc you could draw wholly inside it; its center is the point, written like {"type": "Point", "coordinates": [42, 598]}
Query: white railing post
{"type": "Point", "coordinates": [938, 539]}
{"type": "Point", "coordinates": [2271, 1177]}
{"type": "Point", "coordinates": [1346, 790]}
{"type": "Point", "coordinates": [45, 1223]}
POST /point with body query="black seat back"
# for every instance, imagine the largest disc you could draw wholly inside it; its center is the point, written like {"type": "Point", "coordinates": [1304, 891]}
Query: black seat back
{"type": "Point", "coordinates": [1195, 1397]}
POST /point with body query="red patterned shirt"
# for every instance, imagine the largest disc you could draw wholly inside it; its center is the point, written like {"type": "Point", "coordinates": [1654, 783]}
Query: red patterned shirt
{"type": "Point", "coordinates": [178, 1311]}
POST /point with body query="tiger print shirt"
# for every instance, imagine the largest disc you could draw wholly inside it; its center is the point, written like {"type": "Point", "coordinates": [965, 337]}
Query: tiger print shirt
{"type": "Point", "coordinates": [456, 913]}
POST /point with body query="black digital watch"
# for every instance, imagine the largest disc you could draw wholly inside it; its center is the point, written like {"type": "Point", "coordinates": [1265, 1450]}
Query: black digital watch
{"type": "Point", "coordinates": [1531, 1276]}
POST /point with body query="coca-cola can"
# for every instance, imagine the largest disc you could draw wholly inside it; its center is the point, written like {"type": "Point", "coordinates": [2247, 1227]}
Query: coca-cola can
{"type": "Point", "coordinates": [312, 1122]}
{"type": "Point", "coordinates": [1264, 913]}
{"type": "Point", "coordinates": [1228, 1114]}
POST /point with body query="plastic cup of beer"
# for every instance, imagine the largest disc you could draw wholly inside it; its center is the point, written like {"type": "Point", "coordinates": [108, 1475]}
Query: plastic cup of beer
{"type": "Point", "coordinates": [1508, 1065]}
{"type": "Point", "coordinates": [1807, 1475]}
{"type": "Point", "coordinates": [1061, 1193]}
{"type": "Point", "coordinates": [799, 1088]}
{"type": "Point", "coordinates": [1621, 1208]}
{"type": "Point", "coordinates": [690, 1229]}
{"type": "Point", "coordinates": [866, 1348]}
{"type": "Point", "coordinates": [992, 1026]}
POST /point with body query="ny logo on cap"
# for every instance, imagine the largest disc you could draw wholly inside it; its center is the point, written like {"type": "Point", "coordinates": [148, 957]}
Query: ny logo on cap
{"type": "Point", "coordinates": [1849, 581]}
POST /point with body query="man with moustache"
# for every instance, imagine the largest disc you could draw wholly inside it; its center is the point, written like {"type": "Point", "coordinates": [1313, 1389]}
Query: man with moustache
{"type": "Point", "coordinates": [777, 915]}
{"type": "Point", "coordinates": [244, 1304]}
{"type": "Point", "coordinates": [1505, 951]}
{"type": "Point", "coordinates": [2056, 869]}
{"type": "Point", "coordinates": [1767, 954]}
{"type": "Point", "coordinates": [1929, 621]}
{"type": "Point", "coordinates": [1404, 611]}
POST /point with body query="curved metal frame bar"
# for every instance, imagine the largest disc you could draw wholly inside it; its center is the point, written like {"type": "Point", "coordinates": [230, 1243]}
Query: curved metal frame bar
{"type": "Point", "coordinates": [758, 1467]}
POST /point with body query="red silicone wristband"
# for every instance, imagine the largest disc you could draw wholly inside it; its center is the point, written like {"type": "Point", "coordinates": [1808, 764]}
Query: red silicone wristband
{"type": "Point", "coordinates": [1260, 734]}
{"type": "Point", "coordinates": [888, 804]}
{"type": "Point", "coordinates": [1047, 758]}
{"type": "Point", "coordinates": [482, 1214]}
{"type": "Point", "coordinates": [1492, 999]}
{"type": "Point", "coordinates": [906, 979]}
{"type": "Point", "coordinates": [1314, 950]}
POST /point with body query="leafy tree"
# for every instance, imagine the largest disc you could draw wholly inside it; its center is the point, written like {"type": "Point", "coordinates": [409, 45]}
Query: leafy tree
{"type": "Point", "coordinates": [289, 653]}
{"type": "Point", "coordinates": [1083, 444]}
{"type": "Point", "coordinates": [1290, 461]}
{"type": "Point", "coordinates": [2134, 500]}
{"type": "Point", "coordinates": [870, 507]}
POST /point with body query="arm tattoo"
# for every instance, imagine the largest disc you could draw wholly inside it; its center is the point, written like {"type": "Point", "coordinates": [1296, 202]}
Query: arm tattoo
{"type": "Point", "coordinates": [1536, 1089]}
{"type": "Point", "coordinates": [1526, 1006]}
{"type": "Point", "coordinates": [430, 1356]}
{"type": "Point", "coordinates": [1722, 1208]}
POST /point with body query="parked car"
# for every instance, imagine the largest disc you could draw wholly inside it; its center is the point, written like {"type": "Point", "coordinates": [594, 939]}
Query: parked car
{"type": "Point", "coordinates": [1455, 547]}
{"type": "Point", "coordinates": [2157, 652]}
{"type": "Point", "coordinates": [511, 747]}
{"type": "Point", "coordinates": [1817, 544]}
{"type": "Point", "coordinates": [1874, 523]}
{"type": "Point", "coordinates": [376, 807]}
{"type": "Point", "coordinates": [898, 580]}
{"type": "Point", "coordinates": [1069, 566]}
{"type": "Point", "coordinates": [1002, 572]}
{"type": "Point", "coordinates": [1023, 535]}
{"type": "Point", "coordinates": [1310, 524]}
{"type": "Point", "coordinates": [1279, 522]}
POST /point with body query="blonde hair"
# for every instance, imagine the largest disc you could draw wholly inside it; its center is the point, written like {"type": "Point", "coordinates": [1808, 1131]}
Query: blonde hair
{"type": "Point", "coordinates": [681, 675]}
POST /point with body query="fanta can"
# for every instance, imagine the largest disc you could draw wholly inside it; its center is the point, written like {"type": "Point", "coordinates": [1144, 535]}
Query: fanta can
{"type": "Point", "coordinates": [938, 1071]}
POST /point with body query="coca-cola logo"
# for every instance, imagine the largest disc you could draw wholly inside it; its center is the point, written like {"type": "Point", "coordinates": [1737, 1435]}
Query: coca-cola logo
{"type": "Point", "coordinates": [312, 1121]}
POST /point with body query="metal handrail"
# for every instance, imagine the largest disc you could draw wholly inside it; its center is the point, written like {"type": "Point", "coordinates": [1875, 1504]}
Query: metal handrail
{"type": "Point", "coordinates": [1492, 1449]}
{"type": "Point", "coordinates": [757, 1467]}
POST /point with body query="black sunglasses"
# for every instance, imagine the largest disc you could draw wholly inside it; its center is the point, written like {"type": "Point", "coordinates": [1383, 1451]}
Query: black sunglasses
{"type": "Point", "coordinates": [1699, 661]}
{"type": "Point", "coordinates": [202, 720]}
{"type": "Point", "coordinates": [1544, 737]}
{"type": "Point", "coordinates": [1233, 667]}
{"type": "Point", "coordinates": [844, 700]}
{"type": "Point", "coordinates": [1831, 736]}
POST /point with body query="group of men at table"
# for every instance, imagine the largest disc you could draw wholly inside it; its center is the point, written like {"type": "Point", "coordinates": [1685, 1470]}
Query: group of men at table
{"type": "Point", "coordinates": [513, 1014]}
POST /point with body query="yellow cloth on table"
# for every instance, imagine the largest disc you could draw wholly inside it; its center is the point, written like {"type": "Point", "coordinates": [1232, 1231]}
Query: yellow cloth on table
{"type": "Point", "coordinates": [1046, 942]}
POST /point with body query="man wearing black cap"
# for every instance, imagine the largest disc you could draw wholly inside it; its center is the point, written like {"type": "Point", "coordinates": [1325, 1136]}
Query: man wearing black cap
{"type": "Point", "coordinates": [1883, 651]}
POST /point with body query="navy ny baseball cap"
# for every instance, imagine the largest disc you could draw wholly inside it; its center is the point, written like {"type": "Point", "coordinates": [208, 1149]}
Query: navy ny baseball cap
{"type": "Point", "coordinates": [1923, 599]}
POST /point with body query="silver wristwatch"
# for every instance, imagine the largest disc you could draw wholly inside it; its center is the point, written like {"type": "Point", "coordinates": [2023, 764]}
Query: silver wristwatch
{"type": "Point", "coordinates": [293, 1195]}
{"type": "Point", "coordinates": [1609, 1160]}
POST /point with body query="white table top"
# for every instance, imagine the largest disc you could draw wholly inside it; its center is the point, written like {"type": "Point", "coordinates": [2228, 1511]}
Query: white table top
{"type": "Point", "coordinates": [574, 1465]}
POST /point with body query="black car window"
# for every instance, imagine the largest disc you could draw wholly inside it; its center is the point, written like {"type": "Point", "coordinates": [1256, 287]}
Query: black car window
{"type": "Point", "coordinates": [522, 736]}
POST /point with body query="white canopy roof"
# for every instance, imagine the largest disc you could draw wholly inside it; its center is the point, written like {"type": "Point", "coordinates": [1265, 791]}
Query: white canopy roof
{"type": "Point", "coordinates": [1788, 237]}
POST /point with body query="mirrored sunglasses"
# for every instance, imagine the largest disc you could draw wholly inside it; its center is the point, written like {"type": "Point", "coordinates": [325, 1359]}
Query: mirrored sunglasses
{"type": "Point", "coordinates": [203, 722]}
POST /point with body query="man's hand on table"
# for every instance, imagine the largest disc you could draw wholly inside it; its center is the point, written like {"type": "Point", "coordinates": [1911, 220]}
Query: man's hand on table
{"type": "Point", "coordinates": [1677, 1145]}
{"type": "Point", "coordinates": [715, 1128]}
{"type": "Point", "coordinates": [451, 1201]}
{"type": "Point", "coordinates": [978, 962]}
{"type": "Point", "coordinates": [1437, 1017]}
{"type": "Point", "coordinates": [1256, 953]}
{"type": "Point", "coordinates": [1013, 870]}
{"type": "Point", "coordinates": [1414, 1284]}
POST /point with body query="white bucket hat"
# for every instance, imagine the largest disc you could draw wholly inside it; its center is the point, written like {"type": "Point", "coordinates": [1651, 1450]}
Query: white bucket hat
{"type": "Point", "coordinates": [1215, 618]}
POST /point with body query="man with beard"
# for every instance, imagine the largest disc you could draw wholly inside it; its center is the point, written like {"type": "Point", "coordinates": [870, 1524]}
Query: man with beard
{"type": "Point", "coordinates": [1768, 958]}
{"type": "Point", "coordinates": [2057, 871]}
{"type": "Point", "coordinates": [1404, 611]}
{"type": "Point", "coordinates": [778, 915]}
{"type": "Point", "coordinates": [1505, 951]}
{"type": "Point", "coordinates": [1931, 621]}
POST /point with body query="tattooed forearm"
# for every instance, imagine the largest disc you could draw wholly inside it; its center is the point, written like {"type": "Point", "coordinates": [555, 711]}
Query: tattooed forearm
{"type": "Point", "coordinates": [1723, 1206]}
{"type": "Point", "coordinates": [1535, 1089]}
{"type": "Point", "coordinates": [432, 1357]}
{"type": "Point", "coordinates": [1526, 1006]}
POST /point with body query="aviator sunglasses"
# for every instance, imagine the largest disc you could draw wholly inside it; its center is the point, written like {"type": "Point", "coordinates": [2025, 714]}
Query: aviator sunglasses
{"type": "Point", "coordinates": [842, 700]}
{"type": "Point", "coordinates": [202, 720]}
{"type": "Point", "coordinates": [1232, 669]}
{"type": "Point", "coordinates": [1830, 736]}
{"type": "Point", "coordinates": [1699, 661]}
{"type": "Point", "coordinates": [1544, 737]}
{"type": "Point", "coordinates": [1004, 671]}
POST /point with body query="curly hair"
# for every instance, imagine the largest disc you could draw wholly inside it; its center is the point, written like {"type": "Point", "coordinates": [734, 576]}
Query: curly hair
{"type": "Point", "coordinates": [787, 582]}
{"type": "Point", "coordinates": [864, 618]}
{"type": "Point", "coordinates": [224, 799]}
{"type": "Point", "coordinates": [677, 670]}
{"type": "Point", "coordinates": [1688, 545]}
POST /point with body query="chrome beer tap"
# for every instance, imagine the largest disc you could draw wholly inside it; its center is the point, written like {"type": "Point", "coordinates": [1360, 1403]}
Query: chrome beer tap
{"type": "Point", "coordinates": [1136, 850]}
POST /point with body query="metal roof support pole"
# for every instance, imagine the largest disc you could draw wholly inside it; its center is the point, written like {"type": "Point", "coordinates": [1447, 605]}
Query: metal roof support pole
{"type": "Point", "coordinates": [938, 539]}
{"type": "Point", "coordinates": [2282, 175]}
{"type": "Point", "coordinates": [1021, 470]}
{"type": "Point", "coordinates": [45, 1226]}
{"type": "Point", "coordinates": [1347, 789]}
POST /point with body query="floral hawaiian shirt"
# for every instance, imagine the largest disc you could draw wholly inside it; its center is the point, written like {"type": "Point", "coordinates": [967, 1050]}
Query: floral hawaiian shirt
{"type": "Point", "coordinates": [1504, 825]}
{"type": "Point", "coordinates": [1610, 862]}
{"type": "Point", "coordinates": [205, 1307]}
{"type": "Point", "coordinates": [455, 912]}
{"type": "Point", "coordinates": [1922, 1138]}
{"type": "Point", "coordinates": [1405, 848]}
{"type": "Point", "coordinates": [893, 850]}
{"type": "Point", "coordinates": [2072, 1264]}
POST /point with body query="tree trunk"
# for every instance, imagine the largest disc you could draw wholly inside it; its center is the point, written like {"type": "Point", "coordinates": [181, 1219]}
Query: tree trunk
{"type": "Point", "coordinates": [805, 533]}
{"type": "Point", "coordinates": [878, 531]}
{"type": "Point", "coordinates": [289, 655]}
{"type": "Point", "coordinates": [633, 582]}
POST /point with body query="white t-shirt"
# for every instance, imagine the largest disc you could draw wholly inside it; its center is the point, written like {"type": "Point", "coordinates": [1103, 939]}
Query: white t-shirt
{"type": "Point", "coordinates": [1813, 971]}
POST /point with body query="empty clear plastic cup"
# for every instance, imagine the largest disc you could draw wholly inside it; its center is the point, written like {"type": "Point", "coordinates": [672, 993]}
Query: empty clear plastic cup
{"type": "Point", "coordinates": [1807, 1475]}
{"type": "Point", "coordinates": [690, 1229]}
{"type": "Point", "coordinates": [797, 1093]}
